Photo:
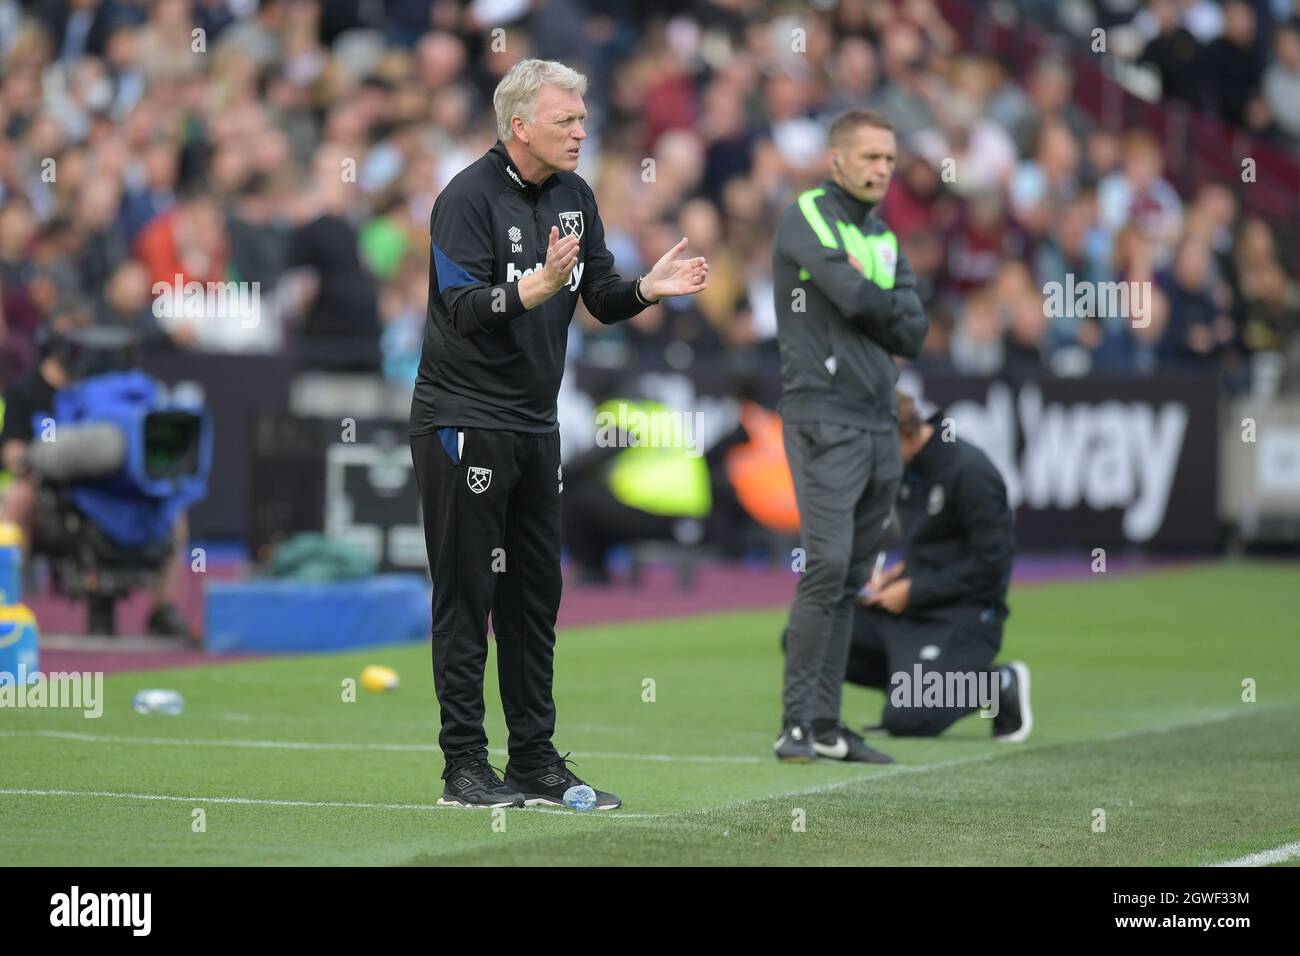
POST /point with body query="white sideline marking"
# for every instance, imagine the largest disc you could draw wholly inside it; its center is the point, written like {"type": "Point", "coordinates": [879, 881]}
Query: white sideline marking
{"type": "Point", "coordinates": [19, 792]}
{"type": "Point", "coordinates": [363, 745]}
{"type": "Point", "coordinates": [1279, 854]}
{"type": "Point", "coordinates": [895, 770]}
{"type": "Point", "coordinates": [883, 774]}
{"type": "Point", "coordinates": [254, 801]}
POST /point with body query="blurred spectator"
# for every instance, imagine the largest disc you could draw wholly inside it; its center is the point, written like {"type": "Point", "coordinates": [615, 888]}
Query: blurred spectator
{"type": "Point", "coordinates": [984, 239]}
{"type": "Point", "coordinates": [1230, 66]}
{"type": "Point", "coordinates": [800, 140]}
{"type": "Point", "coordinates": [1068, 256]}
{"type": "Point", "coordinates": [1174, 53]}
{"type": "Point", "coordinates": [1138, 194]}
{"type": "Point", "coordinates": [908, 96]}
{"type": "Point", "coordinates": [78, 28]}
{"type": "Point", "coordinates": [17, 230]}
{"type": "Point", "coordinates": [725, 295]}
{"type": "Point", "coordinates": [151, 187]}
{"type": "Point", "coordinates": [1051, 94]}
{"type": "Point", "coordinates": [918, 199]}
{"type": "Point", "coordinates": [1282, 79]}
{"type": "Point", "coordinates": [402, 305]}
{"type": "Point", "coordinates": [1102, 153]}
{"type": "Point", "coordinates": [1213, 215]}
{"type": "Point", "coordinates": [1008, 104]}
{"type": "Point", "coordinates": [309, 141]}
{"type": "Point", "coordinates": [1269, 310]}
{"type": "Point", "coordinates": [258, 36]}
{"type": "Point", "coordinates": [978, 152]}
{"type": "Point", "coordinates": [104, 239]}
{"type": "Point", "coordinates": [853, 75]}
{"type": "Point", "coordinates": [729, 138]}
{"type": "Point", "coordinates": [1129, 348]}
{"type": "Point", "coordinates": [126, 302]}
{"type": "Point", "coordinates": [340, 327]}
{"type": "Point", "coordinates": [258, 241]}
{"type": "Point", "coordinates": [167, 45]}
{"type": "Point", "coordinates": [1042, 186]}
{"type": "Point", "coordinates": [189, 240]}
{"type": "Point", "coordinates": [1199, 330]}
{"type": "Point", "coordinates": [1025, 342]}
{"type": "Point", "coordinates": [976, 345]}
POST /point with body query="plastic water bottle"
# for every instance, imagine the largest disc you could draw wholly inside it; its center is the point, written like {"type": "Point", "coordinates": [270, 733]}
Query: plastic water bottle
{"type": "Point", "coordinates": [580, 797]}
{"type": "Point", "coordinates": [158, 702]}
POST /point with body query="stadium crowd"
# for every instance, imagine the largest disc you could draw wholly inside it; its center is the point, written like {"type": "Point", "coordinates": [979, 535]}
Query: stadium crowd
{"type": "Point", "coordinates": [300, 145]}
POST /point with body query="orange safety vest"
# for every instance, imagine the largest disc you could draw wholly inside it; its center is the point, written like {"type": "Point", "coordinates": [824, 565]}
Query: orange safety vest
{"type": "Point", "coordinates": [760, 474]}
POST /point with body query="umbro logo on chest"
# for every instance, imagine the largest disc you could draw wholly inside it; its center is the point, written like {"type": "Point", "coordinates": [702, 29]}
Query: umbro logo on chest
{"type": "Point", "coordinates": [570, 223]}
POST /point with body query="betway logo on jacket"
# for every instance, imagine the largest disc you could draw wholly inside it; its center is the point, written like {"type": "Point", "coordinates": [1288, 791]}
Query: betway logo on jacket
{"type": "Point", "coordinates": [514, 275]}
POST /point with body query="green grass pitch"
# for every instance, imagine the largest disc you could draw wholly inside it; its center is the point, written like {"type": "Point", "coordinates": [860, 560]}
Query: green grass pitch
{"type": "Point", "coordinates": [1137, 695]}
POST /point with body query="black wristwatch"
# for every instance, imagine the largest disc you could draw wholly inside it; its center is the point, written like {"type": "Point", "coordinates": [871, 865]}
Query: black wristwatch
{"type": "Point", "coordinates": [641, 298]}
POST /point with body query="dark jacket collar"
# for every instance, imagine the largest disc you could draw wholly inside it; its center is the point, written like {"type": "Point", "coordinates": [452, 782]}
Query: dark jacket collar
{"type": "Point", "coordinates": [855, 207]}
{"type": "Point", "coordinates": [512, 174]}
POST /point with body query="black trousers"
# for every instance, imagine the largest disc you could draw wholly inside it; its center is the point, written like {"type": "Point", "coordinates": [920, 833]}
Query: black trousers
{"type": "Point", "coordinates": [491, 502]}
{"type": "Point", "coordinates": [885, 644]}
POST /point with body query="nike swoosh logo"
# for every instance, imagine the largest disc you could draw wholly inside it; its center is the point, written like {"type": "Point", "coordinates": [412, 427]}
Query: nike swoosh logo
{"type": "Point", "coordinates": [837, 752]}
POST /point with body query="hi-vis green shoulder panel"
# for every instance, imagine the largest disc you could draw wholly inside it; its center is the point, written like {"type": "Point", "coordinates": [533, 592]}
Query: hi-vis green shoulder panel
{"type": "Point", "coordinates": [808, 206]}
{"type": "Point", "coordinates": [878, 254]}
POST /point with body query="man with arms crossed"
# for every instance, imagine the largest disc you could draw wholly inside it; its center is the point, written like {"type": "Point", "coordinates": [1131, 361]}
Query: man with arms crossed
{"type": "Point", "coordinates": [845, 303]}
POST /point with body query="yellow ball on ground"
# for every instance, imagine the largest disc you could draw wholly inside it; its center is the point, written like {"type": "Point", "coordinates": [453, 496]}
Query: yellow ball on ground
{"type": "Point", "coordinates": [377, 678]}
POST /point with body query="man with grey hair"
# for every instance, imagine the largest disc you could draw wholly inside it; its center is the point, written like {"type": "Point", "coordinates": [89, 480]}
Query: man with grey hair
{"type": "Point", "coordinates": [516, 240]}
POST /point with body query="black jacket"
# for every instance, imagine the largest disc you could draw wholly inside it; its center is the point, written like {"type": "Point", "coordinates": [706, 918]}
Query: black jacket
{"type": "Point", "coordinates": [488, 363]}
{"type": "Point", "coordinates": [958, 531]}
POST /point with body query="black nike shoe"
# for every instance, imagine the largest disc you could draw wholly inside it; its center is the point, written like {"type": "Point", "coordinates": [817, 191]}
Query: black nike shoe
{"type": "Point", "coordinates": [472, 782]}
{"type": "Point", "coordinates": [1014, 719]}
{"type": "Point", "coordinates": [795, 744]}
{"type": "Point", "coordinates": [546, 785]}
{"type": "Point", "coordinates": [840, 743]}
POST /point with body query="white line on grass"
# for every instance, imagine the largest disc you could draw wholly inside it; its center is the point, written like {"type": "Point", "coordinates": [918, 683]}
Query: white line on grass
{"type": "Point", "coordinates": [362, 745]}
{"type": "Point", "coordinates": [256, 801]}
{"type": "Point", "coordinates": [1279, 854]}
{"type": "Point", "coordinates": [894, 770]}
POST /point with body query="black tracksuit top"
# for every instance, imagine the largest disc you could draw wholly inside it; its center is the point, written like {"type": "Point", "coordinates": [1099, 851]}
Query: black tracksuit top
{"type": "Point", "coordinates": [958, 530]}
{"type": "Point", "coordinates": [487, 362]}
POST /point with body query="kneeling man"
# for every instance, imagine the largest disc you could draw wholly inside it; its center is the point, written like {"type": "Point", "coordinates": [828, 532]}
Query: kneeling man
{"type": "Point", "coordinates": [928, 628]}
